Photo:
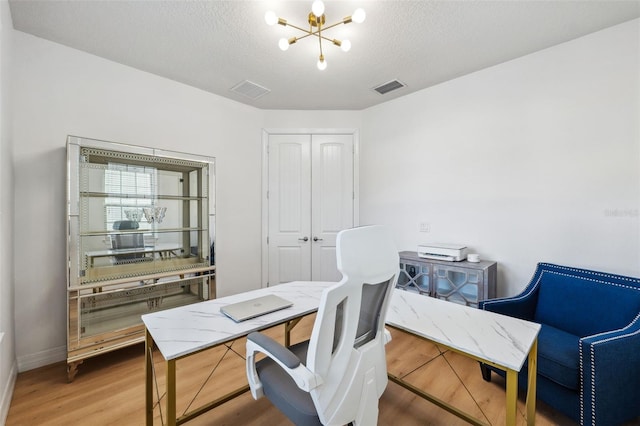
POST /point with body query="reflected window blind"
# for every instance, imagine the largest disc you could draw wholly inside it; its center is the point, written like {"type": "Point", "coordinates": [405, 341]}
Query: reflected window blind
{"type": "Point", "coordinates": [130, 189]}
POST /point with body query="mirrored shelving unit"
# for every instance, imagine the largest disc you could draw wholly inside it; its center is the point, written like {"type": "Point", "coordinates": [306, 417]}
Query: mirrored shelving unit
{"type": "Point", "coordinates": [140, 239]}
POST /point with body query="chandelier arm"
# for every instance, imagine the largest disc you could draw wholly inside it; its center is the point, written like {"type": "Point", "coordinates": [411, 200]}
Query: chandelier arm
{"type": "Point", "coordinates": [315, 33]}
{"type": "Point", "coordinates": [305, 36]}
{"type": "Point", "coordinates": [334, 25]}
{"type": "Point", "coordinates": [320, 37]}
{"type": "Point", "coordinates": [308, 33]}
{"type": "Point", "coordinates": [332, 40]}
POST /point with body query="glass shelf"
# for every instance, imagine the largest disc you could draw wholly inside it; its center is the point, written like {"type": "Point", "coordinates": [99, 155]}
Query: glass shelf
{"type": "Point", "coordinates": [114, 310]}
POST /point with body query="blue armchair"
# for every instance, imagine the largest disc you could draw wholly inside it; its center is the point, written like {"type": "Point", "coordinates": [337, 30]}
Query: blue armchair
{"type": "Point", "coordinates": [589, 343]}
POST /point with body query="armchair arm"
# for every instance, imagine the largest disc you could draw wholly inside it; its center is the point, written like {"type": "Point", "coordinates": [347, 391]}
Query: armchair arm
{"type": "Point", "coordinates": [610, 375]}
{"type": "Point", "coordinates": [522, 306]}
{"type": "Point", "coordinates": [287, 360]}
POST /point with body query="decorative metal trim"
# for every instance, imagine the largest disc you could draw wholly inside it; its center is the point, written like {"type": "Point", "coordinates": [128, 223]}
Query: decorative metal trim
{"type": "Point", "coordinates": [87, 152]}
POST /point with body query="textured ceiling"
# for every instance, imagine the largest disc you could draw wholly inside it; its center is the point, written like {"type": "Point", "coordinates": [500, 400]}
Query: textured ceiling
{"type": "Point", "coordinates": [215, 45]}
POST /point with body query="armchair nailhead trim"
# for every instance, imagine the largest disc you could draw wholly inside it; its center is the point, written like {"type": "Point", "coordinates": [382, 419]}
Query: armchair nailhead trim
{"type": "Point", "coordinates": [629, 287]}
{"type": "Point", "coordinates": [518, 297]}
{"type": "Point", "coordinates": [581, 363]}
{"type": "Point", "coordinates": [533, 285]}
{"type": "Point", "coordinates": [600, 274]}
{"type": "Point", "coordinates": [593, 367]}
{"type": "Point", "coordinates": [593, 387]}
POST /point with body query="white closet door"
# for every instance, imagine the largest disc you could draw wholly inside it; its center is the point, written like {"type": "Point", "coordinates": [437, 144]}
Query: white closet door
{"type": "Point", "coordinates": [289, 208]}
{"type": "Point", "coordinates": [331, 200]}
{"type": "Point", "coordinates": [310, 200]}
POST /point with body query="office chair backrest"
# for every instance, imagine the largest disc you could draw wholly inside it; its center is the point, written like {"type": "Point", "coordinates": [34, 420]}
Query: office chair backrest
{"type": "Point", "coordinates": [347, 343]}
{"type": "Point", "coordinates": [127, 240]}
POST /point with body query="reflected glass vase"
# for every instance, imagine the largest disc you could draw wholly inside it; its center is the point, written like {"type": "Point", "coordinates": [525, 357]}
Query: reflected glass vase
{"type": "Point", "coordinates": [133, 214]}
{"type": "Point", "coordinates": [159, 213]}
{"type": "Point", "coordinates": [154, 214]}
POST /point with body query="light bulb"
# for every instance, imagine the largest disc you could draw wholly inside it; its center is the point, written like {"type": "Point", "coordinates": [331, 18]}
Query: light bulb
{"type": "Point", "coordinates": [271, 18]}
{"type": "Point", "coordinates": [358, 16]}
{"type": "Point", "coordinates": [322, 64]}
{"type": "Point", "coordinates": [345, 46]}
{"type": "Point", "coordinates": [317, 8]}
{"type": "Point", "coordinates": [283, 44]}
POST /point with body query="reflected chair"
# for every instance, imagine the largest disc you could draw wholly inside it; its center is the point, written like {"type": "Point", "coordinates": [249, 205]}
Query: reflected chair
{"type": "Point", "coordinates": [338, 376]}
{"type": "Point", "coordinates": [128, 241]}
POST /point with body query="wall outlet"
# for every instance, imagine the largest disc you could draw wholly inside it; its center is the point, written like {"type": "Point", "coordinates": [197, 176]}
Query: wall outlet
{"type": "Point", "coordinates": [424, 227]}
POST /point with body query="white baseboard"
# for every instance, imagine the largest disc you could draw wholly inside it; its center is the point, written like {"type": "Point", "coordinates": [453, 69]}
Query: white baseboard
{"type": "Point", "coordinates": [7, 393]}
{"type": "Point", "coordinates": [40, 359]}
{"type": "Point", "coordinates": [24, 363]}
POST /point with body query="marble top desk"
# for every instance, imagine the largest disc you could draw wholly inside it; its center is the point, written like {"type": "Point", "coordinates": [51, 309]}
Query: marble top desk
{"type": "Point", "coordinates": [189, 329]}
{"type": "Point", "coordinates": [494, 339]}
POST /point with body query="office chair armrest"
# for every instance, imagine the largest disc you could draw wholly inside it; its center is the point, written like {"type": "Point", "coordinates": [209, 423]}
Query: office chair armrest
{"type": "Point", "coordinates": [279, 352]}
{"type": "Point", "coordinates": [387, 336]}
{"type": "Point", "coordinates": [287, 360]}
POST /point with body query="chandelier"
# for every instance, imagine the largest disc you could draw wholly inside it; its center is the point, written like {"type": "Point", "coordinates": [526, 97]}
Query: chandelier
{"type": "Point", "coordinates": [317, 26]}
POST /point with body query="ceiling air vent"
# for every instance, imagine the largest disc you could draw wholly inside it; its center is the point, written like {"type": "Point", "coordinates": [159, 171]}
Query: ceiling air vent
{"type": "Point", "coordinates": [389, 86]}
{"type": "Point", "coordinates": [250, 90]}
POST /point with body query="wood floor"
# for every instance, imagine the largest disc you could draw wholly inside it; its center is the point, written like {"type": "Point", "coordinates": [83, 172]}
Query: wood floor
{"type": "Point", "coordinates": [109, 389]}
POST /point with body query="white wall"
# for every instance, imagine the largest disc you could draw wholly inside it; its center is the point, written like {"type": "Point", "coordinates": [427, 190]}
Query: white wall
{"type": "Point", "coordinates": [8, 366]}
{"type": "Point", "coordinates": [544, 152]}
{"type": "Point", "coordinates": [532, 160]}
{"type": "Point", "coordinates": [288, 119]}
{"type": "Point", "coordinates": [61, 91]}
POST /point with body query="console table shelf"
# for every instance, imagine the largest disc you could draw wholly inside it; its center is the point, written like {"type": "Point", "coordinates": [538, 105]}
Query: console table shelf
{"type": "Point", "coordinates": [464, 282]}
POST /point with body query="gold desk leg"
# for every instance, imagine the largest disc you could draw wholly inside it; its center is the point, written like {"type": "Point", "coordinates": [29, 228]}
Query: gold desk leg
{"type": "Point", "coordinates": [148, 377]}
{"type": "Point", "coordinates": [531, 386]}
{"type": "Point", "coordinates": [512, 396]}
{"type": "Point", "coordinates": [171, 392]}
{"type": "Point", "coordinates": [288, 326]}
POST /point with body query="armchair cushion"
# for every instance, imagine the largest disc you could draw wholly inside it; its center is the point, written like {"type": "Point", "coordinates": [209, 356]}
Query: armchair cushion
{"type": "Point", "coordinates": [558, 356]}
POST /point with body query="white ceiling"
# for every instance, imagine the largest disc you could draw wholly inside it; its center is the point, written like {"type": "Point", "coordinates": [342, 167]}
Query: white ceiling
{"type": "Point", "coordinates": [215, 45]}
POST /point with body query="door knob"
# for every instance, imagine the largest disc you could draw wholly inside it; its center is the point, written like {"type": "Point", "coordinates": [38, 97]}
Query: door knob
{"type": "Point", "coordinates": [303, 239]}
{"type": "Point", "coordinates": [317, 239]}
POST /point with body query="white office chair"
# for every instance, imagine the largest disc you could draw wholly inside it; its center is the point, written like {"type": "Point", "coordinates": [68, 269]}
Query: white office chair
{"type": "Point", "coordinates": [337, 376]}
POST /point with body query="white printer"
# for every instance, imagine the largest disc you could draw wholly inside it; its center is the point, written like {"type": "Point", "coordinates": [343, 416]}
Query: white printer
{"type": "Point", "coordinates": [450, 252]}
